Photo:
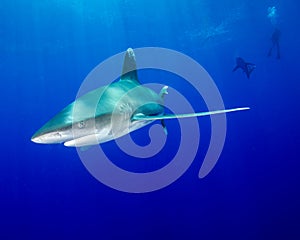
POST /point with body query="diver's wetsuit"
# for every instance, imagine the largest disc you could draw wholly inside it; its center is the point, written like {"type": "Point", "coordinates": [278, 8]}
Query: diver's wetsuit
{"type": "Point", "coordinates": [275, 40]}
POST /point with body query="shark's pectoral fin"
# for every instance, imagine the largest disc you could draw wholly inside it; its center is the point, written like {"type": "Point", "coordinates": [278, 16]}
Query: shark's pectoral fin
{"type": "Point", "coordinates": [141, 117]}
{"type": "Point", "coordinates": [129, 67]}
{"type": "Point", "coordinates": [85, 141]}
{"type": "Point", "coordinates": [236, 68]}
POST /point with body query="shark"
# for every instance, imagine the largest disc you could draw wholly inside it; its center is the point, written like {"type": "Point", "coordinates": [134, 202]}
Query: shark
{"type": "Point", "coordinates": [112, 111]}
{"type": "Point", "coordinates": [245, 66]}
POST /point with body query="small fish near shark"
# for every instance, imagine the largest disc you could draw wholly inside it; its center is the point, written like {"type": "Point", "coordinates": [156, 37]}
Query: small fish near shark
{"type": "Point", "coordinates": [110, 112]}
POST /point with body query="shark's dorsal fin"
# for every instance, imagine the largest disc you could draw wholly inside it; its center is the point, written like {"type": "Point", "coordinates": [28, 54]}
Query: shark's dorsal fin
{"type": "Point", "coordinates": [129, 67]}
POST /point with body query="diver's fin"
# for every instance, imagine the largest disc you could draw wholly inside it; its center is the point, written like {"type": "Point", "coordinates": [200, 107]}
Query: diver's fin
{"type": "Point", "coordinates": [278, 55]}
{"type": "Point", "coordinates": [129, 71]}
{"type": "Point", "coordinates": [141, 117]}
{"type": "Point", "coordinates": [278, 52]}
{"type": "Point", "coordinates": [270, 52]}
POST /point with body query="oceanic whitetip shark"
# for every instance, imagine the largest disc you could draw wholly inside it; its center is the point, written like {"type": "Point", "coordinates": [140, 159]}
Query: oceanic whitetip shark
{"type": "Point", "coordinates": [109, 112]}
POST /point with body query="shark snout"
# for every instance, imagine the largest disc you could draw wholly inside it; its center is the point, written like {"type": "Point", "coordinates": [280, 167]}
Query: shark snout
{"type": "Point", "coordinates": [47, 138]}
{"type": "Point", "coordinates": [37, 138]}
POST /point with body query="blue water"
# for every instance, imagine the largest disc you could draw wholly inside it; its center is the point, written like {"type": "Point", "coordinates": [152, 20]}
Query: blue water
{"type": "Point", "coordinates": [46, 50]}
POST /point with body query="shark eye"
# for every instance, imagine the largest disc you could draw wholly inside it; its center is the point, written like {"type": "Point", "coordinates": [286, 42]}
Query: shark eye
{"type": "Point", "coordinates": [81, 124]}
{"type": "Point", "coordinates": [57, 134]}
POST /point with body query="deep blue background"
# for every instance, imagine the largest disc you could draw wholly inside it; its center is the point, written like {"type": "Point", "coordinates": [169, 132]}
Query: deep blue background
{"type": "Point", "coordinates": [46, 50]}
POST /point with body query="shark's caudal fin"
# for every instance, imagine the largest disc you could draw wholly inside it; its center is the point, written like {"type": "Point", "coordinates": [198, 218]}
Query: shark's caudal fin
{"type": "Point", "coordinates": [140, 117]}
{"type": "Point", "coordinates": [129, 71]}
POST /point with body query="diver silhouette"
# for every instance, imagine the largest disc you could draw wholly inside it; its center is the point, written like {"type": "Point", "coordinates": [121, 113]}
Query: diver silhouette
{"type": "Point", "coordinates": [245, 66]}
{"type": "Point", "coordinates": [275, 42]}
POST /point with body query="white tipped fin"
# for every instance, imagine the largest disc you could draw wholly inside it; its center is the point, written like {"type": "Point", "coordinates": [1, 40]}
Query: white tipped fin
{"type": "Point", "coordinates": [140, 117]}
{"type": "Point", "coordinates": [163, 91]}
{"type": "Point", "coordinates": [129, 71]}
{"type": "Point", "coordinates": [83, 141]}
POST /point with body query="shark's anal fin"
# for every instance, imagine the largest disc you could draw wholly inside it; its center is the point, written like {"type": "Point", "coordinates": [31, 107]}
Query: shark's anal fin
{"type": "Point", "coordinates": [188, 115]}
{"type": "Point", "coordinates": [129, 71]}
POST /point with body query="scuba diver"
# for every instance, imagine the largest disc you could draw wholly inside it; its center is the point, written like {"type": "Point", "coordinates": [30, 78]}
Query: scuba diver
{"type": "Point", "coordinates": [275, 40]}
{"type": "Point", "coordinates": [245, 66]}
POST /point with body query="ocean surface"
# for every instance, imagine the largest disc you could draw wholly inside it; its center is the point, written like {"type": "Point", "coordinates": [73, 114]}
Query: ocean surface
{"type": "Point", "coordinates": [48, 47]}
